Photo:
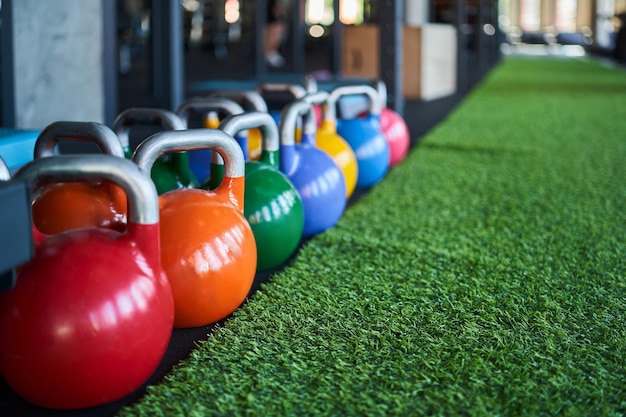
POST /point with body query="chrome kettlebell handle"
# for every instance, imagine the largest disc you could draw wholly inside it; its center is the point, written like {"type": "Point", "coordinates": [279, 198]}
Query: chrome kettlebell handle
{"type": "Point", "coordinates": [148, 151]}
{"type": "Point", "coordinates": [138, 115]}
{"type": "Point", "coordinates": [263, 121]}
{"type": "Point", "coordinates": [143, 205]}
{"type": "Point", "coordinates": [289, 118]}
{"type": "Point", "coordinates": [97, 133]}
{"type": "Point", "coordinates": [347, 90]}
{"type": "Point", "coordinates": [322, 97]}
{"type": "Point", "coordinates": [317, 97]}
{"type": "Point", "coordinates": [310, 84]}
{"type": "Point", "coordinates": [381, 89]}
{"type": "Point", "coordinates": [252, 98]}
{"type": "Point", "coordinates": [296, 91]}
{"type": "Point", "coordinates": [207, 104]}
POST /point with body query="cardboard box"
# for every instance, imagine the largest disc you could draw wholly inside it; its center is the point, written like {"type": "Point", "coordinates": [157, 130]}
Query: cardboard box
{"type": "Point", "coordinates": [361, 49]}
{"type": "Point", "coordinates": [429, 58]}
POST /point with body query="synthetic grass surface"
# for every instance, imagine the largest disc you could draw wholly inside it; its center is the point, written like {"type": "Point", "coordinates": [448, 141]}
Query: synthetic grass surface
{"type": "Point", "coordinates": [484, 276]}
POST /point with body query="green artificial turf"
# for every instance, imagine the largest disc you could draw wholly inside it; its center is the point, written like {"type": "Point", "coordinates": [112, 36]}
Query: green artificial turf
{"type": "Point", "coordinates": [484, 276]}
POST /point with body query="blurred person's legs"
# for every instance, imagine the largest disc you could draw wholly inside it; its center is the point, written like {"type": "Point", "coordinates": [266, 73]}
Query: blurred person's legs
{"type": "Point", "coordinates": [274, 33]}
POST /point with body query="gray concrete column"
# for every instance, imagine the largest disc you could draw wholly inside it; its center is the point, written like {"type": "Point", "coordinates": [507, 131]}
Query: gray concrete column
{"type": "Point", "coordinates": [56, 62]}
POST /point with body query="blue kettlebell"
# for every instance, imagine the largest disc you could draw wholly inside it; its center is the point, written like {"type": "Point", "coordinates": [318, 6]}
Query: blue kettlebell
{"type": "Point", "coordinates": [364, 134]}
{"type": "Point", "coordinates": [313, 172]}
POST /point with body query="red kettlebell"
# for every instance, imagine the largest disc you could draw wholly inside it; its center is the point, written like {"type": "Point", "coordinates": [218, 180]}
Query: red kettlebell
{"type": "Point", "coordinates": [64, 206]}
{"type": "Point", "coordinates": [310, 85]}
{"type": "Point", "coordinates": [91, 314]}
{"type": "Point", "coordinates": [208, 249]}
{"type": "Point", "coordinates": [394, 128]}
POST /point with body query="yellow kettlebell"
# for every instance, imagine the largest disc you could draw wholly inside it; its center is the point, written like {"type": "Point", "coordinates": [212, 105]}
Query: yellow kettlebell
{"type": "Point", "coordinates": [330, 142]}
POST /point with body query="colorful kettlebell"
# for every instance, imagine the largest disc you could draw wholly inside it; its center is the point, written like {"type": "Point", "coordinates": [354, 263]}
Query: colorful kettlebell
{"type": "Point", "coordinates": [330, 142]}
{"type": "Point", "coordinates": [272, 204]}
{"type": "Point", "coordinates": [208, 251]}
{"type": "Point", "coordinates": [91, 314]}
{"type": "Point", "coordinates": [313, 172]}
{"type": "Point", "coordinates": [363, 134]}
{"type": "Point", "coordinates": [63, 206]}
{"type": "Point", "coordinates": [251, 101]}
{"type": "Point", "coordinates": [168, 173]}
{"type": "Point", "coordinates": [200, 161]}
{"type": "Point", "coordinates": [394, 128]}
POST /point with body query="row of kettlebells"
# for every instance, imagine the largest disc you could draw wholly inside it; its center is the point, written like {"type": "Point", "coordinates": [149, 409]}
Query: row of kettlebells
{"type": "Point", "coordinates": [117, 265]}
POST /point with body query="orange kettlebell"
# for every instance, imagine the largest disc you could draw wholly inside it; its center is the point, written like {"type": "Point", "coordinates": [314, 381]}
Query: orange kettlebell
{"type": "Point", "coordinates": [65, 206]}
{"type": "Point", "coordinates": [208, 251]}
